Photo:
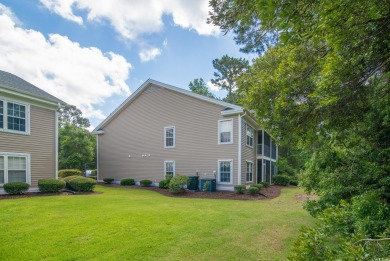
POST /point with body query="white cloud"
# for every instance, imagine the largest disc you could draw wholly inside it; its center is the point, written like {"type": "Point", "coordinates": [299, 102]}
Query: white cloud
{"type": "Point", "coordinates": [136, 17]}
{"type": "Point", "coordinates": [82, 76]}
{"type": "Point", "coordinates": [150, 54]}
{"type": "Point", "coordinates": [213, 87]}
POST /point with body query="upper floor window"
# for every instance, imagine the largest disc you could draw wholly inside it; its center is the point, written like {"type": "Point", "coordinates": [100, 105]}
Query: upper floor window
{"type": "Point", "coordinates": [249, 135]}
{"type": "Point", "coordinates": [169, 136]}
{"type": "Point", "coordinates": [225, 131]}
{"type": "Point", "coordinates": [14, 116]}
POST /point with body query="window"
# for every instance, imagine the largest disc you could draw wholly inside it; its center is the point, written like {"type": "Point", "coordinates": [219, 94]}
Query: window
{"type": "Point", "coordinates": [267, 143]}
{"type": "Point", "coordinates": [249, 171]}
{"type": "Point", "coordinates": [249, 135]}
{"type": "Point", "coordinates": [14, 117]}
{"type": "Point", "coordinates": [14, 167]}
{"type": "Point", "coordinates": [169, 136]}
{"type": "Point", "coordinates": [225, 131]}
{"type": "Point", "coordinates": [225, 171]}
{"type": "Point", "coordinates": [169, 167]}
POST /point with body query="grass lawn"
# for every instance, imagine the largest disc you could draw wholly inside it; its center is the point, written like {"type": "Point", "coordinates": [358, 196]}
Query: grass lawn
{"type": "Point", "coordinates": [126, 224]}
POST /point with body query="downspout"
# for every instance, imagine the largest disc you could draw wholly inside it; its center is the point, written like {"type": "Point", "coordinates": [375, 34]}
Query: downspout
{"type": "Point", "coordinates": [239, 148]}
{"type": "Point", "coordinates": [56, 141]}
{"type": "Point", "coordinates": [97, 157]}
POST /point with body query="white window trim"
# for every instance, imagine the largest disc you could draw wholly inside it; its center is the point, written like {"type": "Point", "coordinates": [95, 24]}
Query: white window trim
{"type": "Point", "coordinates": [12, 154]}
{"type": "Point", "coordinates": [174, 137]}
{"type": "Point", "coordinates": [248, 161]}
{"type": "Point", "coordinates": [253, 135]}
{"type": "Point", "coordinates": [5, 116]}
{"type": "Point", "coordinates": [219, 132]}
{"type": "Point", "coordinates": [165, 167]}
{"type": "Point", "coordinates": [231, 172]}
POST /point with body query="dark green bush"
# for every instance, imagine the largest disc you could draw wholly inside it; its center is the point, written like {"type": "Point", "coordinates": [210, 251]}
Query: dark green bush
{"type": "Point", "coordinates": [265, 184]}
{"type": "Point", "coordinates": [281, 180]}
{"type": "Point", "coordinates": [294, 182]}
{"type": "Point", "coordinates": [69, 172]}
{"type": "Point", "coordinates": [253, 191]}
{"type": "Point", "coordinates": [51, 185]}
{"type": "Point", "coordinates": [127, 182]}
{"type": "Point", "coordinates": [108, 180]}
{"type": "Point", "coordinates": [164, 184]}
{"type": "Point", "coordinates": [16, 188]}
{"type": "Point", "coordinates": [240, 189]}
{"type": "Point", "coordinates": [177, 183]}
{"type": "Point", "coordinates": [259, 186]}
{"type": "Point", "coordinates": [146, 183]}
{"type": "Point", "coordinates": [82, 184]}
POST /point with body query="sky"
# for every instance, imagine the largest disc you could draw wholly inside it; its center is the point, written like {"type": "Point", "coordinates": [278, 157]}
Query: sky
{"type": "Point", "coordinates": [95, 53]}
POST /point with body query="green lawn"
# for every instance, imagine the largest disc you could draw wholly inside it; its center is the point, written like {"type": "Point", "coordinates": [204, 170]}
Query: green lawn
{"type": "Point", "coordinates": [126, 224]}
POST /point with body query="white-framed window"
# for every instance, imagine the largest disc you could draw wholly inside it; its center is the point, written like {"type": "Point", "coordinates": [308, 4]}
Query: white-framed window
{"type": "Point", "coordinates": [14, 167]}
{"type": "Point", "coordinates": [225, 131]}
{"type": "Point", "coordinates": [249, 135]}
{"type": "Point", "coordinates": [225, 171]}
{"type": "Point", "coordinates": [14, 116]}
{"type": "Point", "coordinates": [249, 171]}
{"type": "Point", "coordinates": [169, 167]}
{"type": "Point", "coordinates": [169, 137]}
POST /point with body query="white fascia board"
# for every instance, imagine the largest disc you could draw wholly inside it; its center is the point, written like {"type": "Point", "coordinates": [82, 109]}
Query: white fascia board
{"type": "Point", "coordinates": [132, 97]}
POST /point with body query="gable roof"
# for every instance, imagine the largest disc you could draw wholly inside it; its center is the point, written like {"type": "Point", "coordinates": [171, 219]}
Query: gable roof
{"type": "Point", "coordinates": [17, 84]}
{"type": "Point", "coordinates": [231, 108]}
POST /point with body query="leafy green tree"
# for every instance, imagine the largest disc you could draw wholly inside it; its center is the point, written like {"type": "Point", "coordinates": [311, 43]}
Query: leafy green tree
{"type": "Point", "coordinates": [321, 84]}
{"type": "Point", "coordinates": [199, 86]}
{"type": "Point", "coordinates": [76, 145]}
{"type": "Point", "coordinates": [228, 70]}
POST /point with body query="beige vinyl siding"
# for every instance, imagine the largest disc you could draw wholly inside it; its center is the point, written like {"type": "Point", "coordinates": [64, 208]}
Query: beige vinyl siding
{"type": "Point", "coordinates": [139, 130]}
{"type": "Point", "coordinates": [40, 144]}
{"type": "Point", "coordinates": [248, 153]}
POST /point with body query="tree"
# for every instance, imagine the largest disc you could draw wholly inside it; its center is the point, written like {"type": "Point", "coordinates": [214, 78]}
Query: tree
{"type": "Point", "coordinates": [321, 84]}
{"type": "Point", "coordinates": [76, 145]}
{"type": "Point", "coordinates": [199, 86]}
{"type": "Point", "coordinates": [228, 70]}
{"type": "Point", "coordinates": [70, 114]}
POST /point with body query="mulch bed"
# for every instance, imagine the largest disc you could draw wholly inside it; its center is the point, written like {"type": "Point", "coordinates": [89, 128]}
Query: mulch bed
{"type": "Point", "coordinates": [270, 193]}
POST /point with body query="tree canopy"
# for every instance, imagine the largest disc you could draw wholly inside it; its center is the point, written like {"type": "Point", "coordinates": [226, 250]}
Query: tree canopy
{"type": "Point", "coordinates": [321, 83]}
{"type": "Point", "coordinates": [199, 86]}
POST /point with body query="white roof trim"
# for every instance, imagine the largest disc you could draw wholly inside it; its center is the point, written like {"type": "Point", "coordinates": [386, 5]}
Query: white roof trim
{"type": "Point", "coordinates": [132, 97]}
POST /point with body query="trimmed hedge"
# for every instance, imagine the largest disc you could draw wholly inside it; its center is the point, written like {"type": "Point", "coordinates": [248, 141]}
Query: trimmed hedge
{"type": "Point", "coordinates": [68, 178]}
{"type": "Point", "coordinates": [177, 183]}
{"type": "Point", "coordinates": [82, 184]}
{"type": "Point", "coordinates": [127, 182]}
{"type": "Point", "coordinates": [294, 182]}
{"type": "Point", "coordinates": [108, 180]}
{"type": "Point", "coordinates": [265, 184]}
{"type": "Point", "coordinates": [69, 172]}
{"type": "Point", "coordinates": [240, 189]}
{"type": "Point", "coordinates": [253, 190]}
{"type": "Point", "coordinates": [51, 185]}
{"type": "Point", "coordinates": [282, 180]}
{"type": "Point", "coordinates": [16, 188]}
{"type": "Point", "coordinates": [259, 186]}
{"type": "Point", "coordinates": [146, 183]}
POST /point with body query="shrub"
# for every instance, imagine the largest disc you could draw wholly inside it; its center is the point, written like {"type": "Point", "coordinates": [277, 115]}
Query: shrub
{"type": "Point", "coordinates": [240, 189]}
{"type": "Point", "coordinates": [92, 177]}
{"type": "Point", "coordinates": [253, 190]}
{"type": "Point", "coordinates": [146, 183]}
{"type": "Point", "coordinates": [108, 180]}
{"type": "Point", "coordinates": [281, 180]}
{"type": "Point", "coordinates": [51, 185]}
{"type": "Point", "coordinates": [127, 182]}
{"type": "Point", "coordinates": [294, 182]}
{"type": "Point", "coordinates": [164, 184]}
{"type": "Point", "coordinates": [94, 172]}
{"type": "Point", "coordinates": [259, 186]}
{"type": "Point", "coordinates": [66, 179]}
{"type": "Point", "coordinates": [82, 184]}
{"type": "Point", "coordinates": [265, 184]}
{"type": "Point", "coordinates": [69, 172]}
{"type": "Point", "coordinates": [177, 183]}
{"type": "Point", "coordinates": [16, 188]}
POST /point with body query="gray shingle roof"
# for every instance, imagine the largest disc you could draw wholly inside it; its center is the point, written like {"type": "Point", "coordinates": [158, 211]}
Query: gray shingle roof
{"type": "Point", "coordinates": [17, 84]}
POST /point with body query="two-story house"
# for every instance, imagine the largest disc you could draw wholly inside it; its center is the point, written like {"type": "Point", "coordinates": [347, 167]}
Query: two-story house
{"type": "Point", "coordinates": [28, 132]}
{"type": "Point", "coordinates": [163, 129]}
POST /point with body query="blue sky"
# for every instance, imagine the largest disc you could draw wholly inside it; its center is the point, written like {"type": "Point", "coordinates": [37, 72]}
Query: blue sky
{"type": "Point", "coordinates": [94, 53]}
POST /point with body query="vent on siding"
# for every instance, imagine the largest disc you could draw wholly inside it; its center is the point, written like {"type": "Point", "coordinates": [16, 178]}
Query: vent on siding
{"type": "Point", "coordinates": [151, 89]}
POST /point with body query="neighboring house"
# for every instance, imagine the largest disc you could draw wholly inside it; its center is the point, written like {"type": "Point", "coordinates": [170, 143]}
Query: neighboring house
{"type": "Point", "coordinates": [28, 132]}
{"type": "Point", "coordinates": [163, 129]}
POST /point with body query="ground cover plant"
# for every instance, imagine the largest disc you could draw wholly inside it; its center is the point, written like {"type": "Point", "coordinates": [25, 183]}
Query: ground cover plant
{"type": "Point", "coordinates": [107, 227]}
